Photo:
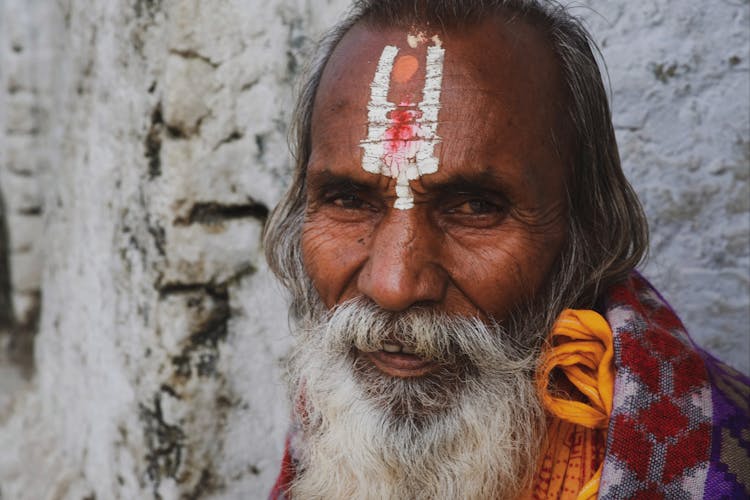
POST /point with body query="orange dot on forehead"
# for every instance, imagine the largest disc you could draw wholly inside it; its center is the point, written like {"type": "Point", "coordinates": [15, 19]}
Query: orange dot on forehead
{"type": "Point", "coordinates": [404, 68]}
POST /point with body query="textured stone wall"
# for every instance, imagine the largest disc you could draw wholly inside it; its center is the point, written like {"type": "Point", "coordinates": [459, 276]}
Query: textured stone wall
{"type": "Point", "coordinates": [142, 144]}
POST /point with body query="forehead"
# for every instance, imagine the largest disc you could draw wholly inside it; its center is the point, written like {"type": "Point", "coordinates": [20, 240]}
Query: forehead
{"type": "Point", "coordinates": [502, 90]}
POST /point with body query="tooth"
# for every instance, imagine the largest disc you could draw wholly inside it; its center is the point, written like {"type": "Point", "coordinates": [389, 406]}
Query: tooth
{"type": "Point", "coordinates": [392, 348]}
{"type": "Point", "coordinates": [408, 350]}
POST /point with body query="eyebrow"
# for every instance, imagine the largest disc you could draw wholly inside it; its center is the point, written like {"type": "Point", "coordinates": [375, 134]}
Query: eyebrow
{"type": "Point", "coordinates": [326, 180]}
{"type": "Point", "coordinates": [486, 180]}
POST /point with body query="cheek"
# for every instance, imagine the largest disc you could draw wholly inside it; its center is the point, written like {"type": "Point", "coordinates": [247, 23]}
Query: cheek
{"type": "Point", "coordinates": [332, 256]}
{"type": "Point", "coordinates": [498, 273]}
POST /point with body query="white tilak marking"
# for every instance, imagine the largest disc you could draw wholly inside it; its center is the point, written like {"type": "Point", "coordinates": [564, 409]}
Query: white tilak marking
{"type": "Point", "coordinates": [430, 105]}
{"type": "Point", "coordinates": [377, 111]}
{"type": "Point", "coordinates": [421, 159]}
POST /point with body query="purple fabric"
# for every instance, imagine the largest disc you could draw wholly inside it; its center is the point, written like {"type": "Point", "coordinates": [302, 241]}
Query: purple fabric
{"type": "Point", "coordinates": [729, 473]}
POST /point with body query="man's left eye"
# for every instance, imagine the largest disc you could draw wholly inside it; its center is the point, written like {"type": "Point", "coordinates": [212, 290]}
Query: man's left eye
{"type": "Point", "coordinates": [476, 207]}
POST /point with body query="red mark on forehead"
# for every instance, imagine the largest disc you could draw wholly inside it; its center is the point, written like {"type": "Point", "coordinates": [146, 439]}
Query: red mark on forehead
{"type": "Point", "coordinates": [403, 122]}
{"type": "Point", "coordinates": [400, 137]}
{"type": "Point", "coordinates": [404, 68]}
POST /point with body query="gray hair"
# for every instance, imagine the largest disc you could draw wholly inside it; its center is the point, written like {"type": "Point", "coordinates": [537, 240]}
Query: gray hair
{"type": "Point", "coordinates": [607, 229]}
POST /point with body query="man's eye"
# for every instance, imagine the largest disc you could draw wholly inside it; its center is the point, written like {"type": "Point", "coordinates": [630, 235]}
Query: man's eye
{"type": "Point", "coordinates": [346, 200]}
{"type": "Point", "coordinates": [476, 207]}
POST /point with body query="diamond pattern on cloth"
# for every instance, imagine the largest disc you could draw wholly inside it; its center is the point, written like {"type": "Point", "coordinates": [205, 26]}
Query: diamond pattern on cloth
{"type": "Point", "coordinates": [673, 433]}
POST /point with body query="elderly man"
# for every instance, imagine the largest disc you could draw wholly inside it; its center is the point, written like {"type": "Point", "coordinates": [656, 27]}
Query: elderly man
{"type": "Point", "coordinates": [459, 241]}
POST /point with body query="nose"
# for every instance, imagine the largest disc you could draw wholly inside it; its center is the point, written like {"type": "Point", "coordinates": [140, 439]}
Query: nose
{"type": "Point", "coordinates": [403, 267]}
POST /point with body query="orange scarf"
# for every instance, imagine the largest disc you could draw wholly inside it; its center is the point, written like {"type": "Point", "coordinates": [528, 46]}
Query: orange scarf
{"type": "Point", "coordinates": [580, 348]}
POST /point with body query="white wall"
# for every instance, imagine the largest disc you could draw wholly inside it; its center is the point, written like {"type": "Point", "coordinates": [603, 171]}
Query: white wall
{"type": "Point", "coordinates": [150, 135]}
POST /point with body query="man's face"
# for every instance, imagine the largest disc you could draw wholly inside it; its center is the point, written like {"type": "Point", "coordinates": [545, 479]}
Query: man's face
{"type": "Point", "coordinates": [476, 227]}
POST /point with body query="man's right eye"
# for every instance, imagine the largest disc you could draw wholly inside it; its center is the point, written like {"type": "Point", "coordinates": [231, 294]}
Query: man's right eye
{"type": "Point", "coordinates": [346, 200]}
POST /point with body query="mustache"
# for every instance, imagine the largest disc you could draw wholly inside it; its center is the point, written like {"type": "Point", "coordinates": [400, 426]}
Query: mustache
{"type": "Point", "coordinates": [431, 334]}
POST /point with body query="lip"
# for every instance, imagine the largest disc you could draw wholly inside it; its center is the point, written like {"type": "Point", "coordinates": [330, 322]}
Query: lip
{"type": "Point", "coordinates": [399, 364]}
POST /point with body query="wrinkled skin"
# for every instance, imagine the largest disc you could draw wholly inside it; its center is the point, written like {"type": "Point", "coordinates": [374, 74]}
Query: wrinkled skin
{"type": "Point", "coordinates": [487, 227]}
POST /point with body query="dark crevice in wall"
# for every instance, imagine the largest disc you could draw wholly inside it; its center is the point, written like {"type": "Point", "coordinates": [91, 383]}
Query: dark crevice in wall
{"type": "Point", "coordinates": [208, 483]}
{"type": "Point", "coordinates": [23, 333]}
{"type": "Point", "coordinates": [236, 135]}
{"type": "Point", "coordinates": [6, 305]}
{"type": "Point", "coordinates": [200, 353]}
{"type": "Point", "coordinates": [177, 132]}
{"type": "Point", "coordinates": [192, 54]}
{"type": "Point", "coordinates": [153, 142]}
{"type": "Point", "coordinates": [159, 235]}
{"type": "Point", "coordinates": [168, 442]}
{"type": "Point", "coordinates": [147, 8]}
{"type": "Point", "coordinates": [216, 213]}
{"type": "Point", "coordinates": [30, 211]}
{"type": "Point", "coordinates": [260, 144]}
{"type": "Point", "coordinates": [180, 288]}
{"type": "Point", "coordinates": [19, 333]}
{"type": "Point", "coordinates": [165, 443]}
{"type": "Point", "coordinates": [249, 85]}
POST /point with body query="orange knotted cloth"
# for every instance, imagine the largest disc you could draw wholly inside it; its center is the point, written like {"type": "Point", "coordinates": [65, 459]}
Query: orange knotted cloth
{"type": "Point", "coordinates": [579, 359]}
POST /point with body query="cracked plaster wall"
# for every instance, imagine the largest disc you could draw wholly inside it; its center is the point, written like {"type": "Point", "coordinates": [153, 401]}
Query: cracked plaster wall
{"type": "Point", "coordinates": [143, 143]}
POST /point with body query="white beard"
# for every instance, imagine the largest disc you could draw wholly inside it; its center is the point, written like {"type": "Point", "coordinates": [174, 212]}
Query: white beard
{"type": "Point", "coordinates": [456, 434]}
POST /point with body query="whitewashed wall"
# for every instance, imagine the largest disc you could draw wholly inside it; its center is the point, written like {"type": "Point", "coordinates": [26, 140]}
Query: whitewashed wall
{"type": "Point", "coordinates": [142, 143]}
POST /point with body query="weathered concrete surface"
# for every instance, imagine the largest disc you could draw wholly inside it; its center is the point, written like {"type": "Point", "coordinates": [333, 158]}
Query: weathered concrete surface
{"type": "Point", "coordinates": [142, 143]}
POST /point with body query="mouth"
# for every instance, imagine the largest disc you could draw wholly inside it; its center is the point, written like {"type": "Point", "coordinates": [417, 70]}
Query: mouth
{"type": "Point", "coordinates": [400, 361]}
